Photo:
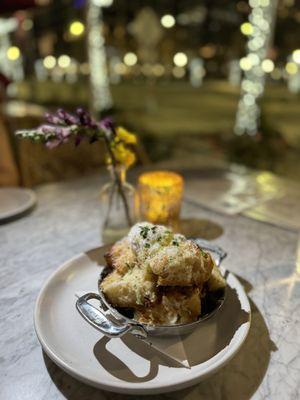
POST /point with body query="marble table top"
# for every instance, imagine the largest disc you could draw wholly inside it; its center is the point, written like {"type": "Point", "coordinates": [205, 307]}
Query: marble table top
{"type": "Point", "coordinates": [66, 222]}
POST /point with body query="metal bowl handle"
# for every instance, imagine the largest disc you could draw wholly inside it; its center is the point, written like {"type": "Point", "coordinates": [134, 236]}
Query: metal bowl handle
{"type": "Point", "coordinates": [97, 317]}
{"type": "Point", "coordinates": [219, 253]}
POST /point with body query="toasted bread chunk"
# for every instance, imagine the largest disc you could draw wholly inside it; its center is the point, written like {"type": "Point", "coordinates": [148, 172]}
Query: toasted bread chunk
{"type": "Point", "coordinates": [216, 280]}
{"type": "Point", "coordinates": [121, 256]}
{"type": "Point", "coordinates": [176, 306]}
{"type": "Point", "coordinates": [183, 264]}
{"type": "Point", "coordinates": [135, 288]}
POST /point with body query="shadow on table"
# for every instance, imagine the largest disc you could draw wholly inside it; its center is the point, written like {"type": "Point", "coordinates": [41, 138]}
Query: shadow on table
{"type": "Point", "coordinates": [200, 228]}
{"type": "Point", "coordinates": [238, 380]}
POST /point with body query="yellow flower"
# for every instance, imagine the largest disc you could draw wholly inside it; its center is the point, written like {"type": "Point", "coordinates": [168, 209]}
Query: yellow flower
{"type": "Point", "coordinates": [125, 136]}
{"type": "Point", "coordinates": [123, 155]}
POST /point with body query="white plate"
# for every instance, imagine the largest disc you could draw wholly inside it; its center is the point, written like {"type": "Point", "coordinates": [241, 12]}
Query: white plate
{"type": "Point", "coordinates": [15, 201]}
{"type": "Point", "coordinates": [128, 365]}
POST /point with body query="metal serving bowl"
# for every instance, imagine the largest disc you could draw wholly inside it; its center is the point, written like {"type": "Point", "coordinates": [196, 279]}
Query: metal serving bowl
{"type": "Point", "coordinates": [112, 323]}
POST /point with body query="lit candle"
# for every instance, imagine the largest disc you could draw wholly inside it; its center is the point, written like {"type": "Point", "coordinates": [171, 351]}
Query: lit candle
{"type": "Point", "coordinates": [160, 194]}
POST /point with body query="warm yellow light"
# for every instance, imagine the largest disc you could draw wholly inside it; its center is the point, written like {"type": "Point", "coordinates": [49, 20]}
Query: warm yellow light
{"type": "Point", "coordinates": [180, 59]}
{"type": "Point", "coordinates": [64, 61]}
{"type": "Point", "coordinates": [246, 28]}
{"type": "Point", "coordinates": [167, 21]}
{"type": "Point", "coordinates": [77, 28]}
{"type": "Point", "coordinates": [130, 59]}
{"type": "Point", "coordinates": [160, 195]}
{"type": "Point", "coordinates": [291, 68]}
{"type": "Point", "coordinates": [296, 56]}
{"type": "Point", "coordinates": [245, 64]}
{"type": "Point", "coordinates": [13, 53]}
{"type": "Point", "coordinates": [49, 62]}
{"type": "Point", "coordinates": [267, 65]}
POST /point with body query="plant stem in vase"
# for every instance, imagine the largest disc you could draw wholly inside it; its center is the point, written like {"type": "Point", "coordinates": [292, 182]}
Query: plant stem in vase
{"type": "Point", "coordinates": [117, 218]}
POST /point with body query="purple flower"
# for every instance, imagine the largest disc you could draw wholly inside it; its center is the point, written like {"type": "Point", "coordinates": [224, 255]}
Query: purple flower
{"type": "Point", "coordinates": [85, 118]}
{"type": "Point", "coordinates": [53, 119]}
{"type": "Point", "coordinates": [68, 118]}
{"type": "Point", "coordinates": [108, 126]}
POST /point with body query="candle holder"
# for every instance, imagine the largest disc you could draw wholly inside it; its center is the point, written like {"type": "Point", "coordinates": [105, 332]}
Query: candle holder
{"type": "Point", "coordinates": [159, 197]}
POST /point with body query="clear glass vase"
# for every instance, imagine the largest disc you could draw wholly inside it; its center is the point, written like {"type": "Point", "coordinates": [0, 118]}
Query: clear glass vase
{"type": "Point", "coordinates": [117, 206]}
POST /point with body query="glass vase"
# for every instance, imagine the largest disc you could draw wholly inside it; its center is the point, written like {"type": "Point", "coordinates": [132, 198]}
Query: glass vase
{"type": "Point", "coordinates": [117, 206]}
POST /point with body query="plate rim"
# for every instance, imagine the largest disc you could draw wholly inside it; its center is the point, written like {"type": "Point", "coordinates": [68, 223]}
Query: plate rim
{"type": "Point", "coordinates": [127, 387]}
{"type": "Point", "coordinates": [31, 202]}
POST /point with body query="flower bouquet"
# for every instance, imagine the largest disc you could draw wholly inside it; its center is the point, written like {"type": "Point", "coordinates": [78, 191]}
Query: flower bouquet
{"type": "Point", "coordinates": [117, 196]}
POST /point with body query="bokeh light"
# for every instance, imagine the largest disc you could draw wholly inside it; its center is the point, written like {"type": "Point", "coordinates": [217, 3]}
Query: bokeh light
{"type": "Point", "coordinates": [246, 28]}
{"type": "Point", "coordinates": [49, 62]}
{"type": "Point", "coordinates": [77, 28]}
{"type": "Point", "coordinates": [267, 65]}
{"type": "Point", "coordinates": [167, 21]}
{"type": "Point", "coordinates": [180, 59]}
{"type": "Point", "coordinates": [13, 53]}
{"type": "Point", "coordinates": [64, 61]}
{"type": "Point", "coordinates": [296, 56]}
{"type": "Point", "coordinates": [245, 64]}
{"type": "Point", "coordinates": [291, 68]}
{"type": "Point", "coordinates": [130, 59]}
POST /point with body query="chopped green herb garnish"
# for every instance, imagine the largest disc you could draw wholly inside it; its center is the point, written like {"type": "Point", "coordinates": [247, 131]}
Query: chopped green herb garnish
{"type": "Point", "coordinates": [144, 231]}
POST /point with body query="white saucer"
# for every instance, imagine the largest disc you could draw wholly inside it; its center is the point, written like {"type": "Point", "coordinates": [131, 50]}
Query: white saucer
{"type": "Point", "coordinates": [15, 201]}
{"type": "Point", "coordinates": [128, 365]}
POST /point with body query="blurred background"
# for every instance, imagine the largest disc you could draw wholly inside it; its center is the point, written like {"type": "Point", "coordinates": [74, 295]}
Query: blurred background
{"type": "Point", "coordinates": [202, 82]}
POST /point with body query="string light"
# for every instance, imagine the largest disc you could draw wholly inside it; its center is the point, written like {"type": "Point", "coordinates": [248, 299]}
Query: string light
{"type": "Point", "coordinates": [101, 96]}
{"type": "Point", "coordinates": [296, 56]}
{"type": "Point", "coordinates": [267, 66]}
{"type": "Point", "coordinates": [180, 59]}
{"type": "Point", "coordinates": [167, 21]}
{"type": "Point", "coordinates": [291, 68]}
{"type": "Point", "coordinates": [77, 28]}
{"type": "Point", "coordinates": [49, 62]}
{"type": "Point", "coordinates": [13, 53]}
{"type": "Point", "coordinates": [64, 61]}
{"type": "Point", "coordinates": [255, 65]}
{"type": "Point", "coordinates": [246, 28]}
{"type": "Point", "coordinates": [245, 64]}
{"type": "Point", "coordinates": [130, 59]}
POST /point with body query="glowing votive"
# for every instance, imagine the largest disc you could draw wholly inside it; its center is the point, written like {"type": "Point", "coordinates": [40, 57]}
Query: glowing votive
{"type": "Point", "coordinates": [160, 194]}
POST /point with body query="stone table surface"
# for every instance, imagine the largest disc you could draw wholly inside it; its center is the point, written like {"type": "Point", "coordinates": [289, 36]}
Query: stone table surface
{"type": "Point", "coordinates": [66, 222]}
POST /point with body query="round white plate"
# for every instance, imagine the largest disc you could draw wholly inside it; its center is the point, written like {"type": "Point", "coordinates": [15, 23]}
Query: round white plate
{"type": "Point", "coordinates": [127, 365]}
{"type": "Point", "coordinates": [15, 201]}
